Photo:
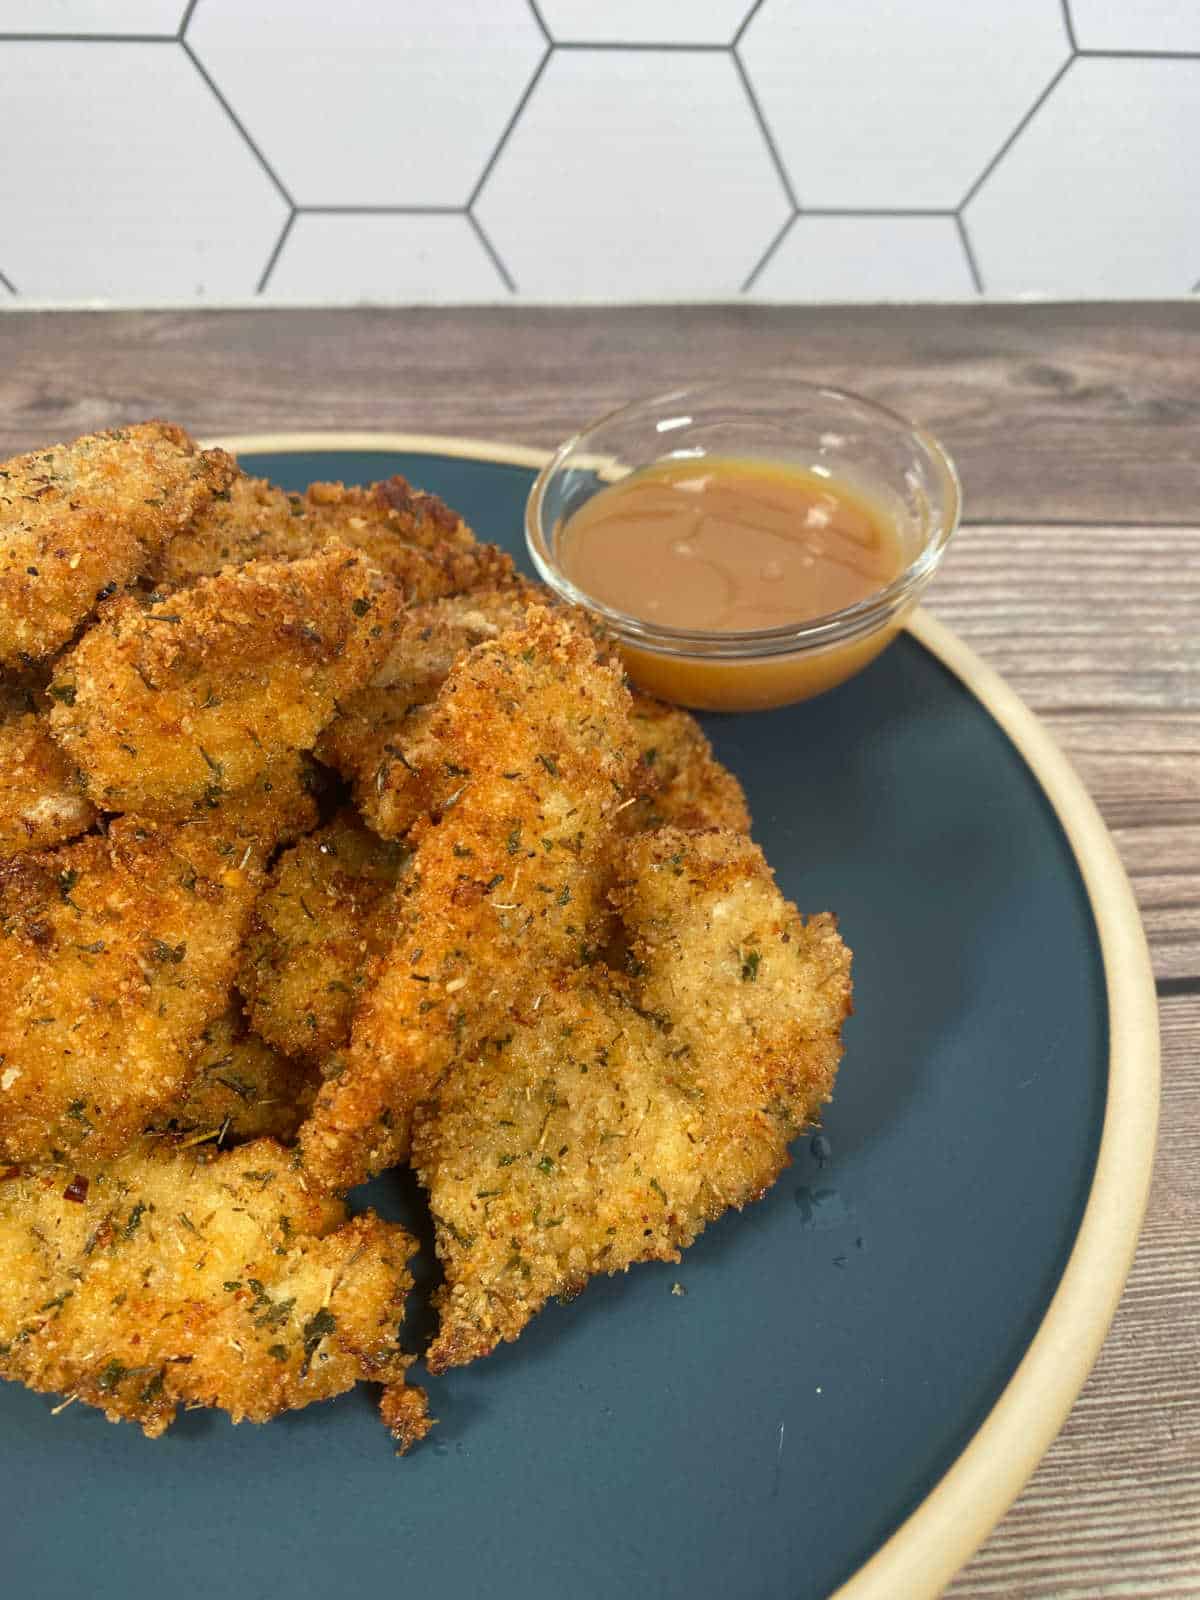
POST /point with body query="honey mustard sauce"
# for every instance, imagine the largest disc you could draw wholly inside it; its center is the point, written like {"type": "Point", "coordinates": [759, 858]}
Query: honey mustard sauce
{"type": "Point", "coordinates": [727, 545]}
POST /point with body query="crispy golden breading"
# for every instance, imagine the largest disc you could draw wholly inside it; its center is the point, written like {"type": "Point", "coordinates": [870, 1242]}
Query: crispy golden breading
{"type": "Point", "coordinates": [241, 1088]}
{"type": "Point", "coordinates": [255, 521]}
{"type": "Point", "coordinates": [393, 510]}
{"type": "Point", "coordinates": [326, 912]}
{"type": "Point", "coordinates": [115, 953]}
{"type": "Point", "coordinates": [380, 739]}
{"type": "Point", "coordinates": [427, 574]}
{"type": "Point", "coordinates": [171, 1278]}
{"type": "Point", "coordinates": [278, 807]}
{"type": "Point", "coordinates": [433, 637]}
{"type": "Point", "coordinates": [41, 797]}
{"type": "Point", "coordinates": [381, 742]}
{"type": "Point", "coordinates": [621, 1115]}
{"type": "Point", "coordinates": [429, 550]}
{"type": "Point", "coordinates": [679, 778]}
{"type": "Point", "coordinates": [536, 754]}
{"type": "Point", "coordinates": [168, 703]}
{"type": "Point", "coordinates": [79, 520]}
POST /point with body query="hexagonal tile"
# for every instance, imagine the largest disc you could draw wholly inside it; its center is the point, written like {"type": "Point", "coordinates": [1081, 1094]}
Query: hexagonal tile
{"type": "Point", "coordinates": [1150, 25]}
{"type": "Point", "coordinates": [643, 21]}
{"type": "Point", "coordinates": [614, 184]}
{"type": "Point", "coordinates": [868, 258]}
{"type": "Point", "coordinates": [877, 105]}
{"type": "Point", "coordinates": [1098, 196]}
{"type": "Point", "coordinates": [359, 258]}
{"type": "Point", "coordinates": [132, 183]}
{"type": "Point", "coordinates": [372, 105]}
{"type": "Point", "coordinates": [91, 16]}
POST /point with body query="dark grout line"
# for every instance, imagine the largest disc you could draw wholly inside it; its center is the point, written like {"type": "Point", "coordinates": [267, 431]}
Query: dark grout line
{"type": "Point", "coordinates": [186, 20]}
{"type": "Point", "coordinates": [756, 271]}
{"type": "Point", "coordinates": [1140, 55]}
{"type": "Point", "coordinates": [509, 126]}
{"type": "Point", "coordinates": [878, 211]}
{"type": "Point", "coordinates": [665, 46]}
{"type": "Point", "coordinates": [746, 21]}
{"type": "Point", "coordinates": [1175, 986]}
{"type": "Point", "coordinates": [1069, 25]}
{"type": "Point", "coordinates": [541, 21]}
{"type": "Point", "coordinates": [765, 130]}
{"type": "Point", "coordinates": [1015, 134]}
{"type": "Point", "coordinates": [89, 38]}
{"type": "Point", "coordinates": [273, 258]}
{"type": "Point", "coordinates": [237, 122]}
{"type": "Point", "coordinates": [487, 244]}
{"type": "Point", "coordinates": [382, 211]}
{"type": "Point", "coordinates": [969, 252]}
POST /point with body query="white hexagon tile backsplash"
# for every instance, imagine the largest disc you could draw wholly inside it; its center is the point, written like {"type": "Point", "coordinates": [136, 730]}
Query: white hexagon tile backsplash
{"type": "Point", "coordinates": [476, 151]}
{"type": "Point", "coordinates": [612, 184]}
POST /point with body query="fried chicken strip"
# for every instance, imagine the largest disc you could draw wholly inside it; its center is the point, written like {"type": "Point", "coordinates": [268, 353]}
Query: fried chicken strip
{"type": "Point", "coordinates": [277, 807]}
{"type": "Point", "coordinates": [241, 1089]}
{"type": "Point", "coordinates": [78, 521]}
{"type": "Point", "coordinates": [619, 1117]}
{"type": "Point", "coordinates": [391, 509]}
{"type": "Point", "coordinates": [169, 703]}
{"type": "Point", "coordinates": [41, 796]}
{"type": "Point", "coordinates": [380, 739]}
{"type": "Point", "coordinates": [679, 779]}
{"type": "Point", "coordinates": [534, 734]}
{"type": "Point", "coordinates": [116, 952]}
{"type": "Point", "coordinates": [327, 911]}
{"type": "Point", "coordinates": [173, 1278]}
{"type": "Point", "coordinates": [417, 540]}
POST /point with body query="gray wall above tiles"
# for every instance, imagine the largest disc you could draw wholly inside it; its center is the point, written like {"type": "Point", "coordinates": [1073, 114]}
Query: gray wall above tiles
{"type": "Point", "coordinates": [409, 151]}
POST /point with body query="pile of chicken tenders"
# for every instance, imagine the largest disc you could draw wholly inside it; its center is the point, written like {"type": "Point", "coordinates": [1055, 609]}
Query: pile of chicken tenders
{"type": "Point", "coordinates": [329, 843]}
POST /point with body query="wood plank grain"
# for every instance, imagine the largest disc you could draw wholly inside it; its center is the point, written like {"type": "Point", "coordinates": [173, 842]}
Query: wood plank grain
{"type": "Point", "coordinates": [1098, 630]}
{"type": "Point", "coordinates": [1052, 411]}
{"type": "Point", "coordinates": [1114, 1508]}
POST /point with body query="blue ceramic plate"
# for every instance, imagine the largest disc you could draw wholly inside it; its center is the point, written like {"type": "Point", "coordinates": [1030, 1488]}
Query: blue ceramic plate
{"type": "Point", "coordinates": [865, 1366]}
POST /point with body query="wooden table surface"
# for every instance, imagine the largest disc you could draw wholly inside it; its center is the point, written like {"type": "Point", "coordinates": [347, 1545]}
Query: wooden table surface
{"type": "Point", "coordinates": [1077, 430]}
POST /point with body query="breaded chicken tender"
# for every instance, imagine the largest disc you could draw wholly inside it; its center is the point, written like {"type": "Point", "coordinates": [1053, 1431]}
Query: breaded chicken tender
{"type": "Point", "coordinates": [173, 1278]}
{"type": "Point", "coordinates": [327, 911]}
{"type": "Point", "coordinates": [619, 1116]}
{"type": "Point", "coordinates": [255, 521]}
{"type": "Point", "coordinates": [536, 756]}
{"type": "Point", "coordinates": [429, 550]}
{"type": "Point", "coordinates": [241, 1089]}
{"type": "Point", "coordinates": [80, 520]}
{"type": "Point", "coordinates": [392, 508]}
{"type": "Point", "coordinates": [165, 704]}
{"type": "Point", "coordinates": [679, 779]}
{"type": "Point", "coordinates": [278, 807]}
{"type": "Point", "coordinates": [116, 952]}
{"type": "Point", "coordinates": [380, 738]}
{"type": "Point", "coordinates": [41, 796]}
{"type": "Point", "coordinates": [412, 536]}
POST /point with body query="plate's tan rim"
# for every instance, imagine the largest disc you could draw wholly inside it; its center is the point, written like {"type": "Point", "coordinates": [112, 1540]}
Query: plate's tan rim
{"type": "Point", "coordinates": [957, 1515]}
{"type": "Point", "coordinates": [428, 444]}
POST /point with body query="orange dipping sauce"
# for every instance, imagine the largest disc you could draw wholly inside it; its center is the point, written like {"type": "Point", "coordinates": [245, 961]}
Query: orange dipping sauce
{"type": "Point", "coordinates": [727, 545]}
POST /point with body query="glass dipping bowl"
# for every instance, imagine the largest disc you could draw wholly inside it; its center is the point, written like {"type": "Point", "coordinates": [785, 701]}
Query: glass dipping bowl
{"type": "Point", "coordinates": [901, 469]}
